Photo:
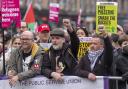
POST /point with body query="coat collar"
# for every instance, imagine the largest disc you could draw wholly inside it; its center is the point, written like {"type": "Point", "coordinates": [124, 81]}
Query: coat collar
{"type": "Point", "coordinates": [34, 51]}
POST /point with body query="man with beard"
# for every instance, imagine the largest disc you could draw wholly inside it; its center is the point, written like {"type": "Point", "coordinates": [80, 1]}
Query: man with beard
{"type": "Point", "coordinates": [61, 57]}
{"type": "Point", "coordinates": [24, 62]}
{"type": "Point", "coordinates": [98, 60]}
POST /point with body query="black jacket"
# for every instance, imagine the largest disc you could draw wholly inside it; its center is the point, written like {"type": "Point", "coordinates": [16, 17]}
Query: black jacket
{"type": "Point", "coordinates": [122, 68]}
{"type": "Point", "coordinates": [67, 55]}
{"type": "Point", "coordinates": [103, 63]}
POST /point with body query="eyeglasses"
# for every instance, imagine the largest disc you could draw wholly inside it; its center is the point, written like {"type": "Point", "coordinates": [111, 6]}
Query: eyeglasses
{"type": "Point", "coordinates": [25, 39]}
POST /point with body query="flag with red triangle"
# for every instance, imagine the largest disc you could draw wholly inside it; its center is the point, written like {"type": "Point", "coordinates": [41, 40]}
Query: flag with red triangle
{"type": "Point", "coordinates": [29, 17]}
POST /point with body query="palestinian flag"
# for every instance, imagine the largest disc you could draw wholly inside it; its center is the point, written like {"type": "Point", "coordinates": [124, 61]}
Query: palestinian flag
{"type": "Point", "coordinates": [29, 18]}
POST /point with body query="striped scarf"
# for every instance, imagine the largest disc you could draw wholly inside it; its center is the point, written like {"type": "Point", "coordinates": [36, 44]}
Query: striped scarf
{"type": "Point", "coordinates": [93, 55]}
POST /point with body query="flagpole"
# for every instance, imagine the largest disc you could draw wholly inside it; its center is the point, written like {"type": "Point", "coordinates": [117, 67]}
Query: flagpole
{"type": "Point", "coordinates": [79, 17]}
{"type": "Point", "coordinates": [110, 77]}
{"type": "Point", "coordinates": [4, 69]}
{"type": "Point", "coordinates": [3, 49]}
{"type": "Point", "coordinates": [3, 43]}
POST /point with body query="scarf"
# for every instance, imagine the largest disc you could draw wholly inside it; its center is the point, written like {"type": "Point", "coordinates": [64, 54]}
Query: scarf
{"type": "Point", "coordinates": [35, 48]}
{"type": "Point", "coordinates": [93, 56]}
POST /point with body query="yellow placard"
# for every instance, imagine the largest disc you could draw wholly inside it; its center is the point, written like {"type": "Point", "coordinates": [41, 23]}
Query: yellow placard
{"type": "Point", "coordinates": [83, 47]}
{"type": "Point", "coordinates": [106, 14]}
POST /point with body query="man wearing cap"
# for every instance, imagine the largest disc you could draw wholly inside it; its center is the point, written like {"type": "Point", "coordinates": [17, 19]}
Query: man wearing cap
{"type": "Point", "coordinates": [44, 33]}
{"type": "Point", "coordinates": [61, 57]}
{"type": "Point", "coordinates": [44, 37]}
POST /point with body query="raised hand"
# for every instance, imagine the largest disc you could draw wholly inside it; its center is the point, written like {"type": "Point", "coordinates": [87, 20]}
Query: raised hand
{"type": "Point", "coordinates": [102, 31]}
{"type": "Point", "coordinates": [67, 24]}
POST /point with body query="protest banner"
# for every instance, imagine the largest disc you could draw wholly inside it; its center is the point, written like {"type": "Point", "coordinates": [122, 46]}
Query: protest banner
{"type": "Point", "coordinates": [54, 12]}
{"type": "Point", "coordinates": [68, 82]}
{"type": "Point", "coordinates": [10, 12]}
{"type": "Point", "coordinates": [83, 46]}
{"type": "Point", "coordinates": [106, 14]}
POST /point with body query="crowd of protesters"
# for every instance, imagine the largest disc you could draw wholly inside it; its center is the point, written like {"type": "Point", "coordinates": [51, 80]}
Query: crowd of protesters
{"type": "Point", "coordinates": [25, 57]}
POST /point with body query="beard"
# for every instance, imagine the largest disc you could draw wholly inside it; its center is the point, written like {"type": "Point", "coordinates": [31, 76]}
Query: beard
{"type": "Point", "coordinates": [57, 47]}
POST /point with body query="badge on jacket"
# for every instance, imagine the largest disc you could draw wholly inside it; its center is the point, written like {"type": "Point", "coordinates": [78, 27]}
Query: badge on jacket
{"type": "Point", "coordinates": [36, 66]}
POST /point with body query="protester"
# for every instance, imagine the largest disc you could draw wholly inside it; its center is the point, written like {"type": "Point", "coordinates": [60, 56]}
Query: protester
{"type": "Point", "coordinates": [125, 26]}
{"type": "Point", "coordinates": [66, 34]}
{"type": "Point", "coordinates": [115, 38]}
{"type": "Point", "coordinates": [22, 28]}
{"type": "Point", "coordinates": [81, 32]}
{"type": "Point", "coordinates": [120, 30]}
{"type": "Point", "coordinates": [67, 37]}
{"type": "Point", "coordinates": [61, 57]}
{"type": "Point", "coordinates": [120, 65]}
{"type": "Point", "coordinates": [98, 60]}
{"type": "Point", "coordinates": [14, 43]}
{"type": "Point", "coordinates": [24, 62]}
{"type": "Point", "coordinates": [44, 33]}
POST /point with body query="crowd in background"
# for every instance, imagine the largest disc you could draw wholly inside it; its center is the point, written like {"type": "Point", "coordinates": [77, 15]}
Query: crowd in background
{"type": "Point", "coordinates": [25, 56]}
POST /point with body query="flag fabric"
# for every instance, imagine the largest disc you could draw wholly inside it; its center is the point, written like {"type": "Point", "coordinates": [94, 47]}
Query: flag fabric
{"type": "Point", "coordinates": [29, 18]}
{"type": "Point", "coordinates": [32, 26]}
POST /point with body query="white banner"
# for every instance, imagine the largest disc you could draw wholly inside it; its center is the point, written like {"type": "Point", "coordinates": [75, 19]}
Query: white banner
{"type": "Point", "coordinates": [69, 82]}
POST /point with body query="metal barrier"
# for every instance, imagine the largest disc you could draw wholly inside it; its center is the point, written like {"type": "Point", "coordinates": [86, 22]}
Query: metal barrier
{"type": "Point", "coordinates": [116, 79]}
{"type": "Point", "coordinates": [68, 82]}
